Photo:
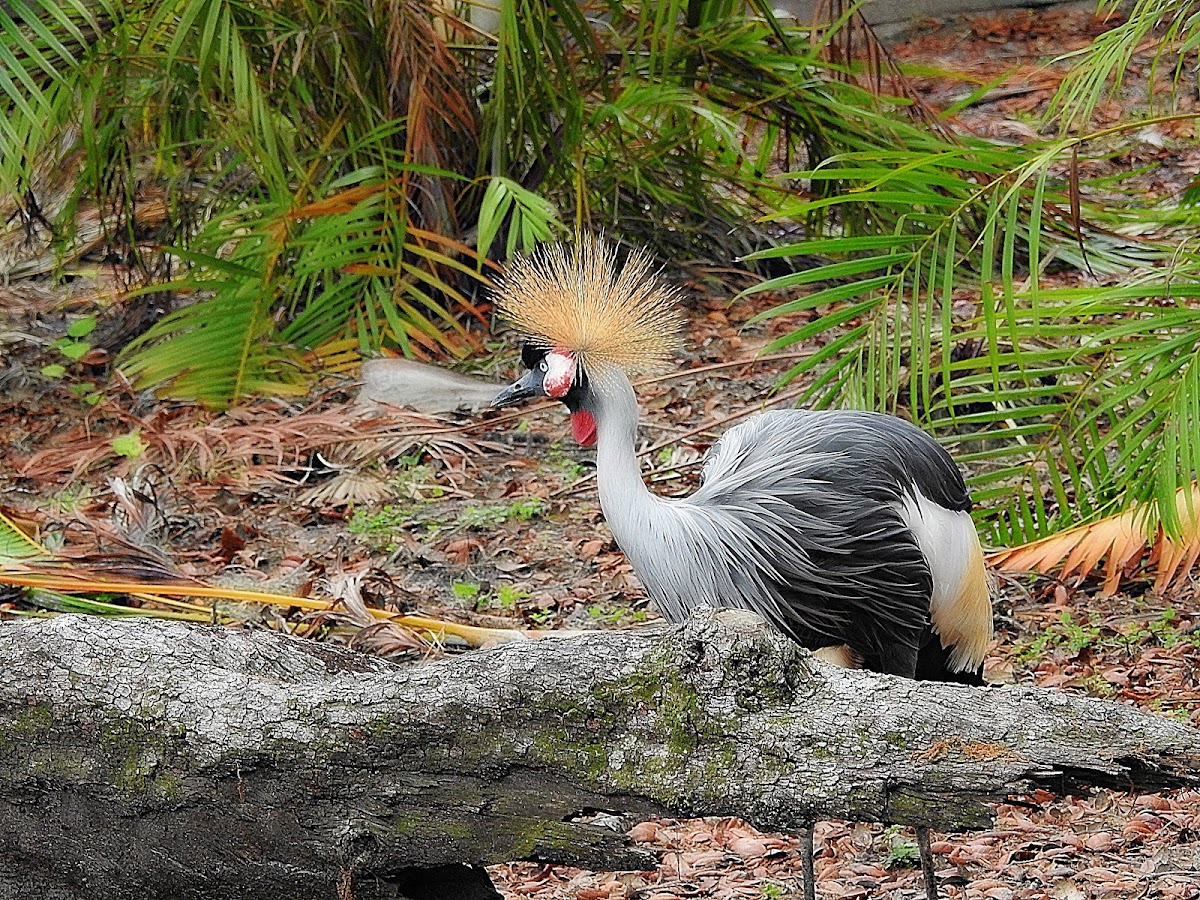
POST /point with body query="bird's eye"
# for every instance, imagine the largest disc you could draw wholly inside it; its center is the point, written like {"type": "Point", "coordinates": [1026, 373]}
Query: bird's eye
{"type": "Point", "coordinates": [542, 365]}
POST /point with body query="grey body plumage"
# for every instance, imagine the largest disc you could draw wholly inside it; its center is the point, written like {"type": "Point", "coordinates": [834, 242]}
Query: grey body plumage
{"type": "Point", "coordinates": [799, 518]}
{"type": "Point", "coordinates": [813, 497]}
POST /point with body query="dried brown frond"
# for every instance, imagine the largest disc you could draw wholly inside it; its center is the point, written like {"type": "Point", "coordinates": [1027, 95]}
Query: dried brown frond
{"type": "Point", "coordinates": [574, 298]}
{"type": "Point", "coordinates": [261, 439]}
{"type": "Point", "coordinates": [383, 637]}
{"type": "Point", "coordinates": [429, 90]}
{"type": "Point", "coordinates": [351, 487]}
{"type": "Point", "coordinates": [1121, 542]}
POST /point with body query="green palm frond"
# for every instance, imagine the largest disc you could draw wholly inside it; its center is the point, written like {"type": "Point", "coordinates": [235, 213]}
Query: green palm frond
{"type": "Point", "coordinates": [349, 257]}
{"type": "Point", "coordinates": [1172, 25]}
{"type": "Point", "coordinates": [1067, 404]}
{"type": "Point", "coordinates": [527, 218]}
{"type": "Point", "coordinates": [15, 544]}
{"type": "Point", "coordinates": [257, 121]}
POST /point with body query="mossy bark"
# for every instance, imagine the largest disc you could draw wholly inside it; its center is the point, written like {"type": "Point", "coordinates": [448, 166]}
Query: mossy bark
{"type": "Point", "coordinates": [143, 758]}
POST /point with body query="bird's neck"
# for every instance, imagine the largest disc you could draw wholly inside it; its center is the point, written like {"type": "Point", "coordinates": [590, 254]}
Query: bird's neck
{"type": "Point", "coordinates": [624, 497]}
{"type": "Point", "coordinates": [652, 531]}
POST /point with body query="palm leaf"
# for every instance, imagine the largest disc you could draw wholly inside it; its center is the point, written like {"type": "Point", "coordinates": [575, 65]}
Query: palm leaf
{"type": "Point", "coordinates": [1120, 542]}
{"type": "Point", "coordinates": [15, 543]}
{"type": "Point", "coordinates": [1172, 25]}
{"type": "Point", "coordinates": [1067, 404]}
{"type": "Point", "coordinates": [355, 264]}
{"type": "Point", "coordinates": [190, 93]}
{"type": "Point", "coordinates": [62, 586]}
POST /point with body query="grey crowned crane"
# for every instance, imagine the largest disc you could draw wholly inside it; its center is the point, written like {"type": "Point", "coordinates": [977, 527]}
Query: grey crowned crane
{"type": "Point", "coordinates": [848, 531]}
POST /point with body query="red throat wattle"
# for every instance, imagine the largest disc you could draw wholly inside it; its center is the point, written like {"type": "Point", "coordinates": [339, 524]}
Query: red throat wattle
{"type": "Point", "coordinates": [583, 426]}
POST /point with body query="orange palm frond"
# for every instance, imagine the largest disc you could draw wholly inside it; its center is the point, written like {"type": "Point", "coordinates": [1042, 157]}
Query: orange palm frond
{"type": "Point", "coordinates": [78, 579]}
{"type": "Point", "coordinates": [75, 580]}
{"type": "Point", "coordinates": [1121, 542]}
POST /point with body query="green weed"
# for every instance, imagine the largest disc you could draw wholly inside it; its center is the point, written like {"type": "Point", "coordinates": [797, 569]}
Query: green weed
{"type": "Point", "coordinates": [521, 509]}
{"type": "Point", "coordinates": [542, 617]}
{"type": "Point", "coordinates": [505, 597]}
{"type": "Point", "coordinates": [615, 615]}
{"type": "Point", "coordinates": [72, 347]}
{"type": "Point", "coordinates": [380, 523]}
{"type": "Point", "coordinates": [1074, 636]}
{"type": "Point", "coordinates": [1164, 631]}
{"type": "Point", "coordinates": [565, 465]}
{"type": "Point", "coordinates": [415, 481]}
{"type": "Point", "coordinates": [466, 590]}
{"type": "Point", "coordinates": [901, 853]}
{"type": "Point", "coordinates": [1067, 634]}
{"type": "Point", "coordinates": [509, 596]}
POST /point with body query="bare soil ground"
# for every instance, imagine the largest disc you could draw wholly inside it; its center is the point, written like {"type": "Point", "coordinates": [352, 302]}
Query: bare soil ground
{"type": "Point", "coordinates": [494, 520]}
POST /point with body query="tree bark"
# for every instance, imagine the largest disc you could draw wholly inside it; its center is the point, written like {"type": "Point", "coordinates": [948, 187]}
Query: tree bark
{"type": "Point", "coordinates": [143, 758]}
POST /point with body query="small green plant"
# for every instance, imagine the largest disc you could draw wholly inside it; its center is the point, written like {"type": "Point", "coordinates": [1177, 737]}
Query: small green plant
{"type": "Point", "coordinates": [70, 499]}
{"type": "Point", "coordinates": [510, 595]}
{"type": "Point", "coordinates": [521, 509]}
{"type": "Point", "coordinates": [466, 590]}
{"type": "Point", "coordinates": [1165, 630]}
{"type": "Point", "coordinates": [506, 597]}
{"type": "Point", "coordinates": [1067, 634]}
{"type": "Point", "coordinates": [1180, 712]}
{"type": "Point", "coordinates": [542, 617]}
{"type": "Point", "coordinates": [1074, 636]}
{"type": "Point", "coordinates": [901, 852]}
{"type": "Point", "coordinates": [131, 445]}
{"type": "Point", "coordinates": [773, 890]}
{"type": "Point", "coordinates": [73, 348]}
{"type": "Point", "coordinates": [415, 481]}
{"type": "Point", "coordinates": [379, 522]}
{"type": "Point", "coordinates": [615, 615]}
{"type": "Point", "coordinates": [569, 468]}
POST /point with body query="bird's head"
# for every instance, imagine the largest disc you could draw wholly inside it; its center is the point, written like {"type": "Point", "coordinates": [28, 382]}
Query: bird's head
{"type": "Point", "coordinates": [555, 374]}
{"type": "Point", "coordinates": [582, 317]}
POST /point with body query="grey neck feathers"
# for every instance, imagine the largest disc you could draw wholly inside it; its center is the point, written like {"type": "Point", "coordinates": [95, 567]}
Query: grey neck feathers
{"type": "Point", "coordinates": [670, 542]}
{"type": "Point", "coordinates": [628, 504]}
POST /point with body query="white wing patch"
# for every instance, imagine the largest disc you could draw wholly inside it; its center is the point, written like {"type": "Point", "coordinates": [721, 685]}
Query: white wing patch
{"type": "Point", "coordinates": [961, 606]}
{"type": "Point", "coordinates": [789, 444]}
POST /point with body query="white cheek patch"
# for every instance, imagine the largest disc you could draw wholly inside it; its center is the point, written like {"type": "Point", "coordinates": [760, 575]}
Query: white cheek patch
{"type": "Point", "coordinates": [560, 374]}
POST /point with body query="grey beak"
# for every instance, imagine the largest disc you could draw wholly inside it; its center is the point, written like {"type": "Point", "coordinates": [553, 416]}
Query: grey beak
{"type": "Point", "coordinates": [528, 387]}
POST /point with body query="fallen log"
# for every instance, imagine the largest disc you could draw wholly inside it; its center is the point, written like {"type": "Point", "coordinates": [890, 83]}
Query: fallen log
{"type": "Point", "coordinates": [142, 758]}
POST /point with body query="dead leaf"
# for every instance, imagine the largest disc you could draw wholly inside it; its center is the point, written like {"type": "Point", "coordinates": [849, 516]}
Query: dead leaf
{"type": "Point", "coordinates": [461, 552]}
{"type": "Point", "coordinates": [591, 549]}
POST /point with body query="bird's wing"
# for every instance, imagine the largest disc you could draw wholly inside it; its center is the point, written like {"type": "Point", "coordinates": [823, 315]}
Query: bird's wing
{"type": "Point", "coordinates": [886, 455]}
{"type": "Point", "coordinates": [810, 504]}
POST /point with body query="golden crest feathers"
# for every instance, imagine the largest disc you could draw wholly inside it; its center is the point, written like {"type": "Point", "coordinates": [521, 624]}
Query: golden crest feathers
{"type": "Point", "coordinates": [573, 298]}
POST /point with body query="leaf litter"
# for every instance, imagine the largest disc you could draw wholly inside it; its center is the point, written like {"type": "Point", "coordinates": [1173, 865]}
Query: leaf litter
{"type": "Point", "coordinates": [492, 521]}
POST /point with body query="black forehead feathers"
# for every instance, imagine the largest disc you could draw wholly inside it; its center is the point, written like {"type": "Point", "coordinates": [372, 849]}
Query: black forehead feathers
{"type": "Point", "coordinates": [532, 353]}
